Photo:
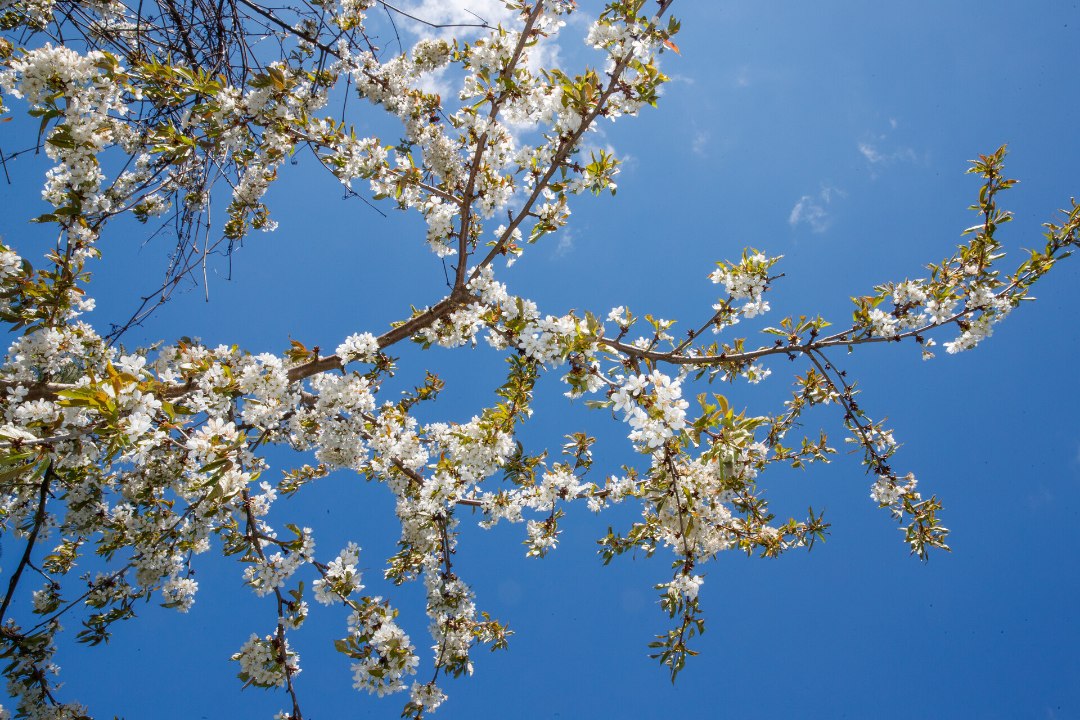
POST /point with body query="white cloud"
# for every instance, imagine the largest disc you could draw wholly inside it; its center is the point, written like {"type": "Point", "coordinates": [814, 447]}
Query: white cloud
{"type": "Point", "coordinates": [812, 210]}
{"type": "Point", "coordinates": [674, 78]}
{"type": "Point", "coordinates": [876, 157]}
{"type": "Point", "coordinates": [465, 19]}
{"type": "Point", "coordinates": [809, 211]}
{"type": "Point", "coordinates": [870, 152]}
{"type": "Point", "coordinates": [880, 151]}
{"type": "Point", "coordinates": [565, 244]}
{"type": "Point", "coordinates": [700, 141]}
{"type": "Point", "coordinates": [742, 77]}
{"type": "Point", "coordinates": [436, 82]}
{"type": "Point", "coordinates": [827, 193]}
{"type": "Point", "coordinates": [451, 13]}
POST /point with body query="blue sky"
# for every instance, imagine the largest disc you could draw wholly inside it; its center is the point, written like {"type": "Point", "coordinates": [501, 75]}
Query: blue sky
{"type": "Point", "coordinates": [834, 133]}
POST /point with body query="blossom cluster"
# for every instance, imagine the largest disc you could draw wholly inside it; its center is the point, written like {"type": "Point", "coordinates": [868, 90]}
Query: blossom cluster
{"type": "Point", "coordinates": [655, 413]}
{"type": "Point", "coordinates": [265, 663]}
{"type": "Point", "coordinates": [90, 120]}
{"type": "Point", "coordinates": [385, 653]}
{"type": "Point", "coordinates": [341, 578]}
{"type": "Point", "coordinates": [745, 282]}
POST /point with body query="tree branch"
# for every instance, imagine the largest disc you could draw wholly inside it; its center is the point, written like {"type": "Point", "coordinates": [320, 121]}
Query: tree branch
{"type": "Point", "coordinates": [39, 520]}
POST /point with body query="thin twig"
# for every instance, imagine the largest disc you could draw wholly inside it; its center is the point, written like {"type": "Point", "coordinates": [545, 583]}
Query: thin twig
{"type": "Point", "coordinates": [39, 520]}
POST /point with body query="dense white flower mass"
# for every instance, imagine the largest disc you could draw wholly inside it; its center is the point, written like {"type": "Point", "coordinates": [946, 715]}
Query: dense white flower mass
{"type": "Point", "coordinates": [180, 593]}
{"type": "Point", "coordinates": [744, 282]}
{"type": "Point", "coordinates": [270, 573]}
{"type": "Point", "coordinates": [341, 578]}
{"type": "Point", "coordinates": [428, 696]}
{"type": "Point", "coordinates": [388, 656]}
{"type": "Point", "coordinates": [883, 324]}
{"type": "Point", "coordinates": [686, 586]}
{"type": "Point", "coordinates": [657, 414]}
{"type": "Point", "coordinates": [359, 346]}
{"type": "Point", "coordinates": [265, 663]}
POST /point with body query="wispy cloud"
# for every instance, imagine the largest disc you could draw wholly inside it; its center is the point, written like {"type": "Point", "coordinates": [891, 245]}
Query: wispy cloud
{"type": "Point", "coordinates": [875, 156]}
{"type": "Point", "coordinates": [743, 77]}
{"type": "Point", "coordinates": [881, 151]}
{"type": "Point", "coordinates": [700, 141]}
{"type": "Point", "coordinates": [870, 152]}
{"type": "Point", "coordinates": [675, 77]}
{"type": "Point", "coordinates": [812, 210]}
{"type": "Point", "coordinates": [566, 243]}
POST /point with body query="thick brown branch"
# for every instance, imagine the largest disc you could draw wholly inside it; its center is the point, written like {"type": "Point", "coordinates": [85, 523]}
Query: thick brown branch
{"type": "Point", "coordinates": [407, 329]}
